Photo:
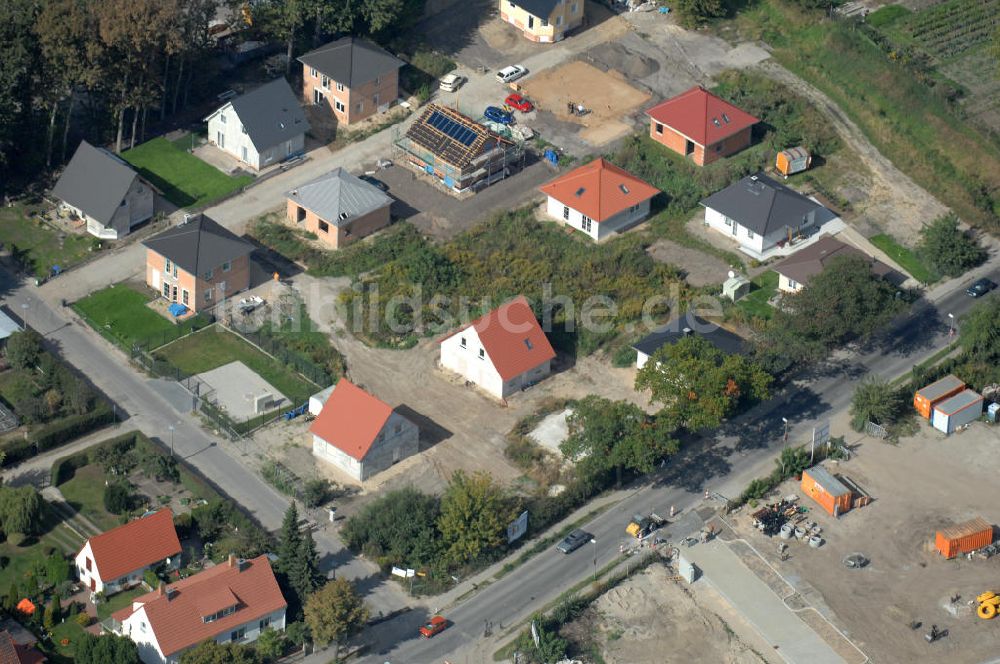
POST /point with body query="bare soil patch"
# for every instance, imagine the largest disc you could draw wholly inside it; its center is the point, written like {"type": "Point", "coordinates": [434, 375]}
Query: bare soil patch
{"type": "Point", "coordinates": [653, 617]}
{"type": "Point", "coordinates": [607, 95]}
{"type": "Point", "coordinates": [699, 268]}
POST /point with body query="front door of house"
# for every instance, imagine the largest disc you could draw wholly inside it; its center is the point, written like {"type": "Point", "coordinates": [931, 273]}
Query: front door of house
{"type": "Point", "coordinates": [220, 139]}
{"type": "Point", "coordinates": [173, 293]}
{"type": "Point", "coordinates": [93, 585]}
{"type": "Point", "coordinates": [531, 22]}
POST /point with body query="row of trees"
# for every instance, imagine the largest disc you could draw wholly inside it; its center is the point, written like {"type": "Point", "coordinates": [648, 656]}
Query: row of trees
{"type": "Point", "coordinates": [111, 62]}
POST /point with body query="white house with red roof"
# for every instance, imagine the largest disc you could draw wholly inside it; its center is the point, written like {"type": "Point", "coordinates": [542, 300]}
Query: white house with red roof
{"type": "Point", "coordinates": [599, 199]}
{"type": "Point", "coordinates": [116, 559]}
{"type": "Point", "coordinates": [699, 125]}
{"type": "Point", "coordinates": [502, 352]}
{"type": "Point", "coordinates": [361, 434]}
{"type": "Point", "coordinates": [230, 603]}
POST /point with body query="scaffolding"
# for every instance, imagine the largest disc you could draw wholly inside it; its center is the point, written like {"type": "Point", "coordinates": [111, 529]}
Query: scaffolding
{"type": "Point", "coordinates": [472, 157]}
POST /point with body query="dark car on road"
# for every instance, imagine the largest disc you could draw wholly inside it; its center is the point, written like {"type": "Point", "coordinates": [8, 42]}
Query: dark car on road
{"type": "Point", "coordinates": [496, 114]}
{"type": "Point", "coordinates": [375, 182]}
{"type": "Point", "coordinates": [574, 541]}
{"type": "Point", "coordinates": [979, 288]}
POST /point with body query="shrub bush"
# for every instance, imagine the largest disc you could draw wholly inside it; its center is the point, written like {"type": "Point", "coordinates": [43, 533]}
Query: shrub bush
{"type": "Point", "coordinates": [82, 619]}
{"type": "Point", "coordinates": [69, 428]}
{"type": "Point", "coordinates": [118, 497]}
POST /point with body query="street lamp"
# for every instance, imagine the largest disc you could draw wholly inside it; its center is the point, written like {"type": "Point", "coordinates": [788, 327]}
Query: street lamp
{"type": "Point", "coordinates": [171, 428]}
{"type": "Point", "coordinates": [24, 318]}
{"type": "Point", "coordinates": [593, 540]}
{"type": "Point", "coordinates": [785, 422]}
{"type": "Point", "coordinates": [951, 325]}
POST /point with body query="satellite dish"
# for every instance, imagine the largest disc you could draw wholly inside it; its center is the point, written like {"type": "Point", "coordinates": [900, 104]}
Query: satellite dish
{"type": "Point", "coordinates": [731, 274]}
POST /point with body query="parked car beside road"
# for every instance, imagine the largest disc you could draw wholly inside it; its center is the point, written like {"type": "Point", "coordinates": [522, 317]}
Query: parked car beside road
{"type": "Point", "coordinates": [518, 103]}
{"type": "Point", "coordinates": [499, 115]}
{"type": "Point", "coordinates": [511, 73]}
{"type": "Point", "coordinates": [574, 541]}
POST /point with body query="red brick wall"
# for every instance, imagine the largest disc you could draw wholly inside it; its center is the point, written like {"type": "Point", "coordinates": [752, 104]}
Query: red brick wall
{"type": "Point", "coordinates": [338, 237]}
{"type": "Point", "coordinates": [701, 156]}
{"type": "Point", "coordinates": [387, 90]}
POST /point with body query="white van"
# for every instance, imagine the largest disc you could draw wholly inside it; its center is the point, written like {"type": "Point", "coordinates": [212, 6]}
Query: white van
{"type": "Point", "coordinates": [451, 82]}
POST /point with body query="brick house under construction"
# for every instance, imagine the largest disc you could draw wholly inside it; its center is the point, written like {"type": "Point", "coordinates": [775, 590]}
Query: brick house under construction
{"type": "Point", "coordinates": [457, 150]}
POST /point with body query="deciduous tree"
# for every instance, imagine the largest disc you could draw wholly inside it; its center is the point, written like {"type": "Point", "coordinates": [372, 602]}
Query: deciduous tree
{"type": "Point", "coordinates": [23, 349]}
{"type": "Point", "coordinates": [21, 510]}
{"type": "Point", "coordinates": [950, 250]}
{"type": "Point", "coordinates": [105, 649]}
{"type": "Point", "coordinates": [212, 652]}
{"type": "Point", "coordinates": [475, 513]}
{"type": "Point", "coordinates": [698, 385]}
{"type": "Point", "coordinates": [334, 613]}
{"type": "Point", "coordinates": [875, 400]}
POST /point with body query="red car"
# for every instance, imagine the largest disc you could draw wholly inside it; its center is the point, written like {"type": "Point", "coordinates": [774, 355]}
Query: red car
{"type": "Point", "coordinates": [518, 102]}
{"type": "Point", "coordinates": [435, 625]}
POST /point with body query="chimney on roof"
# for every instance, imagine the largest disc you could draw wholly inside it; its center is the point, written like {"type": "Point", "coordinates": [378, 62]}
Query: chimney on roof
{"type": "Point", "coordinates": [232, 560]}
{"type": "Point", "coordinates": [159, 590]}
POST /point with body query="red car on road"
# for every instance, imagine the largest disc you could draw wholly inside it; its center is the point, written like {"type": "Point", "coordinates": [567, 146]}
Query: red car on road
{"type": "Point", "coordinates": [518, 102]}
{"type": "Point", "coordinates": [435, 625]}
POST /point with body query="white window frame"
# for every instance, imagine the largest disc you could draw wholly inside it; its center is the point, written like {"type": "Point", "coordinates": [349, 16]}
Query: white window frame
{"type": "Point", "coordinates": [313, 72]}
{"type": "Point", "coordinates": [566, 212]}
{"type": "Point", "coordinates": [340, 86]}
{"type": "Point", "coordinates": [339, 106]}
{"type": "Point", "coordinates": [586, 223]}
{"type": "Point", "coordinates": [750, 234]}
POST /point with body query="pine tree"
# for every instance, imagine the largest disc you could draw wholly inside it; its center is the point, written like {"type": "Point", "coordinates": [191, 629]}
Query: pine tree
{"type": "Point", "coordinates": [291, 540]}
{"type": "Point", "coordinates": [305, 576]}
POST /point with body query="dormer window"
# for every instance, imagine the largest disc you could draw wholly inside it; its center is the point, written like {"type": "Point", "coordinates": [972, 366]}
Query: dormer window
{"type": "Point", "coordinates": [219, 615]}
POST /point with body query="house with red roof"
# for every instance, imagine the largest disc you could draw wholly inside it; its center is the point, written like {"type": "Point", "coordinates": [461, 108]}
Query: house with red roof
{"type": "Point", "coordinates": [360, 434]}
{"type": "Point", "coordinates": [229, 603]}
{"type": "Point", "coordinates": [599, 198]}
{"type": "Point", "coordinates": [116, 559]}
{"type": "Point", "coordinates": [503, 352]}
{"type": "Point", "coordinates": [699, 125]}
{"type": "Point", "coordinates": [12, 652]}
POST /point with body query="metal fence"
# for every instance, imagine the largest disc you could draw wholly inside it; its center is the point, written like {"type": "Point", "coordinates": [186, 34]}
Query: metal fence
{"type": "Point", "coordinates": [292, 359]}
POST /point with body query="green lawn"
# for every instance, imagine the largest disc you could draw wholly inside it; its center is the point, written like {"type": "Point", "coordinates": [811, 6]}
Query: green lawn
{"type": "Point", "coordinates": [184, 179]}
{"type": "Point", "coordinates": [120, 312]}
{"type": "Point", "coordinates": [886, 15]}
{"type": "Point", "coordinates": [16, 385]}
{"type": "Point", "coordinates": [213, 347]}
{"type": "Point", "coordinates": [119, 601]}
{"type": "Point", "coordinates": [66, 630]}
{"type": "Point", "coordinates": [38, 245]}
{"type": "Point", "coordinates": [85, 494]}
{"type": "Point", "coordinates": [905, 257]}
{"type": "Point", "coordinates": [764, 287]}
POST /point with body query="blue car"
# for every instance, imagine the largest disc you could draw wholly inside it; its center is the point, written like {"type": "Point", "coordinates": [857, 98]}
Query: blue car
{"type": "Point", "coordinates": [498, 115]}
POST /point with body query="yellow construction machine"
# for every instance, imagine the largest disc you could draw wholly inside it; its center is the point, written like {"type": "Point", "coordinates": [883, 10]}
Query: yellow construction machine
{"type": "Point", "coordinates": [989, 605]}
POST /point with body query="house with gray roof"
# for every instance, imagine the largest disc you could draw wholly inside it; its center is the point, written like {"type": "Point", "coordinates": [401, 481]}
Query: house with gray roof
{"type": "Point", "coordinates": [262, 127]}
{"type": "Point", "coordinates": [796, 271]}
{"type": "Point", "coordinates": [761, 214]}
{"type": "Point", "coordinates": [353, 77]}
{"type": "Point", "coordinates": [197, 263]}
{"type": "Point", "coordinates": [688, 325]}
{"type": "Point", "coordinates": [105, 192]}
{"type": "Point", "coordinates": [338, 208]}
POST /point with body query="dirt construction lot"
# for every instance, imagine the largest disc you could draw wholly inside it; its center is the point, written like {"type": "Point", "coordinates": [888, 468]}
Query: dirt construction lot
{"type": "Point", "coordinates": [655, 618]}
{"type": "Point", "coordinates": [606, 95]}
{"type": "Point", "coordinates": [925, 483]}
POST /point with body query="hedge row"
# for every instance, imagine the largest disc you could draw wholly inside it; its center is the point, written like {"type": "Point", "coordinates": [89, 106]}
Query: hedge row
{"type": "Point", "coordinates": [57, 433]}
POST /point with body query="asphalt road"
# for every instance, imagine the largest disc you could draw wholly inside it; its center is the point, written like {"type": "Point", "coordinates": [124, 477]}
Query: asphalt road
{"type": "Point", "coordinates": [721, 463]}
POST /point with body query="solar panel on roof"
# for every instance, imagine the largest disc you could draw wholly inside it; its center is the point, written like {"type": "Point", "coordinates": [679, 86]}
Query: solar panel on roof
{"type": "Point", "coordinates": [451, 128]}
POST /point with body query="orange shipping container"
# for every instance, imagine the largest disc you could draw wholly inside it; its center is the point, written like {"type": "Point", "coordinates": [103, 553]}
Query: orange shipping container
{"type": "Point", "coordinates": [964, 537]}
{"type": "Point", "coordinates": [827, 490]}
{"type": "Point", "coordinates": [926, 397]}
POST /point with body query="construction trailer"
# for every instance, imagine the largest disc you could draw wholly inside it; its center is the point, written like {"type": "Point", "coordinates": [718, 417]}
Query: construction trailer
{"type": "Point", "coordinates": [957, 411]}
{"type": "Point", "coordinates": [459, 152]}
{"type": "Point", "coordinates": [833, 495]}
{"type": "Point", "coordinates": [964, 537]}
{"type": "Point", "coordinates": [925, 398]}
{"type": "Point", "coordinates": [792, 161]}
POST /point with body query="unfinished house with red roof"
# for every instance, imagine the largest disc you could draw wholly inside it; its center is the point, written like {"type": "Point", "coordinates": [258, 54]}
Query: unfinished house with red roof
{"type": "Point", "coordinates": [599, 198]}
{"type": "Point", "coordinates": [503, 352]}
{"type": "Point", "coordinates": [360, 434]}
{"type": "Point", "coordinates": [116, 559]}
{"type": "Point", "coordinates": [229, 603]}
{"type": "Point", "coordinates": [699, 125]}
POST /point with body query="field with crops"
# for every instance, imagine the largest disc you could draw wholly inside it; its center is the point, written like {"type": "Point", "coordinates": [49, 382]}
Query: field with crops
{"type": "Point", "coordinates": [950, 28]}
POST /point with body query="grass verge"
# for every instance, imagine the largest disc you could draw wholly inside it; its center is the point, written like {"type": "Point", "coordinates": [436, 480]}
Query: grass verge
{"type": "Point", "coordinates": [755, 303]}
{"type": "Point", "coordinates": [37, 246]}
{"type": "Point", "coordinates": [906, 258]}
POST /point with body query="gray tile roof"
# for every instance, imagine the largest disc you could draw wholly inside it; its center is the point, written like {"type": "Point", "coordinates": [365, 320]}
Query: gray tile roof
{"type": "Point", "coordinates": [352, 61]}
{"type": "Point", "coordinates": [764, 206]}
{"type": "Point", "coordinates": [271, 114]}
{"type": "Point", "coordinates": [339, 197]}
{"type": "Point", "coordinates": [199, 245]}
{"type": "Point", "coordinates": [675, 330]}
{"type": "Point", "coordinates": [8, 325]}
{"type": "Point", "coordinates": [95, 181]}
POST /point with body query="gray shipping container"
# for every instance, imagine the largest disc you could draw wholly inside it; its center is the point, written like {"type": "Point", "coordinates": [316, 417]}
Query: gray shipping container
{"type": "Point", "coordinates": [957, 411]}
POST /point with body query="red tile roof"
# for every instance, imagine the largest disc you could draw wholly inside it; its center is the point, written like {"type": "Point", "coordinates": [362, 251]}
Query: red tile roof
{"type": "Point", "coordinates": [13, 653]}
{"type": "Point", "coordinates": [135, 545]}
{"type": "Point", "coordinates": [351, 419]}
{"type": "Point", "coordinates": [701, 116]}
{"type": "Point", "coordinates": [175, 615]}
{"type": "Point", "coordinates": [599, 190]}
{"type": "Point", "coordinates": [512, 338]}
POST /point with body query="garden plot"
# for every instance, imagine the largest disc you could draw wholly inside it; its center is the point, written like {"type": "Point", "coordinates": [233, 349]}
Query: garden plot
{"type": "Point", "coordinates": [608, 96]}
{"type": "Point", "coordinates": [241, 392]}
